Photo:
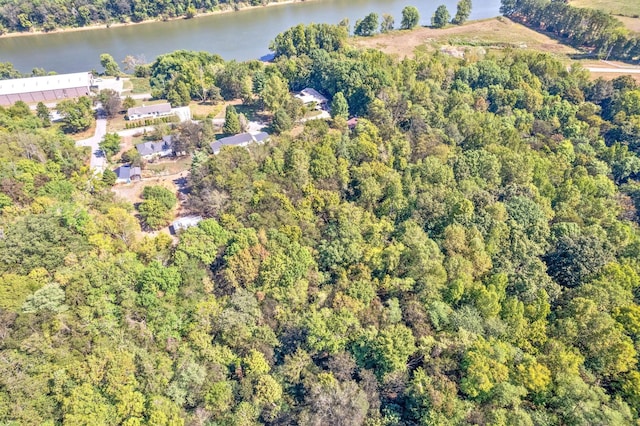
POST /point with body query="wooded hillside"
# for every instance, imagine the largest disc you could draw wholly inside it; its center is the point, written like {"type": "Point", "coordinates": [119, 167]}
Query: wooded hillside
{"type": "Point", "coordinates": [467, 254]}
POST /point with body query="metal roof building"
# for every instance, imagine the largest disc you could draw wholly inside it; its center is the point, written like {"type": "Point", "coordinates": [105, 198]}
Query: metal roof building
{"type": "Point", "coordinates": [48, 88]}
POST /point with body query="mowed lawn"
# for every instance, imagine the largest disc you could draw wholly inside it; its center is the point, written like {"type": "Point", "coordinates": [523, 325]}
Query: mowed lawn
{"type": "Point", "coordinates": [617, 7]}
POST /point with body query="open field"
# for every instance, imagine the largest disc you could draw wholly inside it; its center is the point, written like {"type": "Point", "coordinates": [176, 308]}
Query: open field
{"type": "Point", "coordinates": [616, 7]}
{"type": "Point", "coordinates": [631, 23]}
{"type": "Point", "coordinates": [496, 32]}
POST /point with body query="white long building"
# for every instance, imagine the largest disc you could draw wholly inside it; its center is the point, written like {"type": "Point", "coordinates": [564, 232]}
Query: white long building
{"type": "Point", "coordinates": [50, 88]}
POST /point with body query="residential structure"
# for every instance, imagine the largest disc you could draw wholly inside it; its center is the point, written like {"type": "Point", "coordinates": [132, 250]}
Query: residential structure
{"type": "Point", "coordinates": [184, 222]}
{"type": "Point", "coordinates": [156, 149]}
{"type": "Point", "coordinates": [127, 174]}
{"type": "Point", "coordinates": [310, 96]}
{"type": "Point", "coordinates": [50, 88]}
{"type": "Point", "coordinates": [149, 111]}
{"type": "Point", "coordinates": [242, 139]}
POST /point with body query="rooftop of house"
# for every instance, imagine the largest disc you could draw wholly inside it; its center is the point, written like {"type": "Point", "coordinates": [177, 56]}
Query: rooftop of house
{"type": "Point", "coordinates": [241, 139]}
{"type": "Point", "coordinates": [48, 82]}
{"type": "Point", "coordinates": [185, 222]}
{"type": "Point", "coordinates": [309, 95]}
{"type": "Point", "coordinates": [155, 147]}
{"type": "Point", "coordinates": [150, 109]}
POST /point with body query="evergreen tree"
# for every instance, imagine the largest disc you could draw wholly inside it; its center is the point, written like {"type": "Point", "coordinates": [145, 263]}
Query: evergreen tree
{"type": "Point", "coordinates": [231, 121]}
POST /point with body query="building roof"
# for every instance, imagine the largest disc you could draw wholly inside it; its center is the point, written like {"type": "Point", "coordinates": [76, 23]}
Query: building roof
{"type": "Point", "coordinates": [48, 82]}
{"type": "Point", "coordinates": [185, 222]}
{"type": "Point", "coordinates": [150, 109]}
{"type": "Point", "coordinates": [309, 95]}
{"type": "Point", "coordinates": [242, 139]}
{"type": "Point", "coordinates": [156, 147]}
{"type": "Point", "coordinates": [126, 172]}
{"type": "Point", "coordinates": [44, 89]}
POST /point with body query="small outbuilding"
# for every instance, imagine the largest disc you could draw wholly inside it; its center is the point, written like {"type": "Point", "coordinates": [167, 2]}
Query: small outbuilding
{"type": "Point", "coordinates": [128, 173]}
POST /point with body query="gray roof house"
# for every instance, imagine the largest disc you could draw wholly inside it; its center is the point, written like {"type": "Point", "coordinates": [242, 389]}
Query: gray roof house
{"type": "Point", "coordinates": [149, 111]}
{"type": "Point", "coordinates": [242, 139]}
{"type": "Point", "coordinates": [126, 174]}
{"type": "Point", "coordinates": [163, 148]}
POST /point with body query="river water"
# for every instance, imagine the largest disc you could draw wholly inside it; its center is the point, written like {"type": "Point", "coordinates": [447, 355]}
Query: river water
{"type": "Point", "coordinates": [238, 35]}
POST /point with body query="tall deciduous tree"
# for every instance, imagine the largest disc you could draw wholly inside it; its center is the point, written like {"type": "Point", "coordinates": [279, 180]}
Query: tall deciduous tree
{"type": "Point", "coordinates": [339, 106]}
{"type": "Point", "coordinates": [462, 13]}
{"type": "Point", "coordinates": [410, 18]}
{"type": "Point", "coordinates": [441, 17]}
{"type": "Point", "coordinates": [109, 64]}
{"type": "Point", "coordinates": [366, 26]}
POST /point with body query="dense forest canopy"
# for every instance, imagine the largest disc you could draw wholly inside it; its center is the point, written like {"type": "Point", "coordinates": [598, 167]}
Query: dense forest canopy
{"type": "Point", "coordinates": [47, 15]}
{"type": "Point", "coordinates": [467, 254]}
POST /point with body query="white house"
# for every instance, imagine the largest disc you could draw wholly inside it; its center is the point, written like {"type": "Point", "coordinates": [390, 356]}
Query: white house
{"type": "Point", "coordinates": [150, 111]}
{"type": "Point", "coordinates": [312, 96]}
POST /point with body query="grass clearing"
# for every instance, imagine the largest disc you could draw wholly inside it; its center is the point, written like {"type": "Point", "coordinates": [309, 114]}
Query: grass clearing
{"type": "Point", "coordinates": [206, 109]}
{"type": "Point", "coordinates": [616, 7]}
{"type": "Point", "coordinates": [140, 85]}
{"type": "Point", "coordinates": [633, 24]}
{"type": "Point", "coordinates": [497, 33]}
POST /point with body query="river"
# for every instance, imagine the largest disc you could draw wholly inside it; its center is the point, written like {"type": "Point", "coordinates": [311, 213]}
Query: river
{"type": "Point", "coordinates": [240, 35]}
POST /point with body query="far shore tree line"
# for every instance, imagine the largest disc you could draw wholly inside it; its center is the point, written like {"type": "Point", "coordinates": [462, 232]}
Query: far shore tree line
{"type": "Point", "coordinates": [49, 15]}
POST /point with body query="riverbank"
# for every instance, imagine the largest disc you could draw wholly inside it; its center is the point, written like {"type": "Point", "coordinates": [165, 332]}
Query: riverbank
{"type": "Point", "coordinates": [227, 9]}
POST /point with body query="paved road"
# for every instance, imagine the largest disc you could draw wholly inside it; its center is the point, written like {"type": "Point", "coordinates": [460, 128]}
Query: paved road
{"type": "Point", "coordinates": [615, 70]}
{"type": "Point", "coordinates": [98, 160]}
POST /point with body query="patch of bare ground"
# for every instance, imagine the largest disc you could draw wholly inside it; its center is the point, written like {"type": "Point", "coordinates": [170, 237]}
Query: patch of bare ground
{"type": "Point", "coordinates": [490, 33]}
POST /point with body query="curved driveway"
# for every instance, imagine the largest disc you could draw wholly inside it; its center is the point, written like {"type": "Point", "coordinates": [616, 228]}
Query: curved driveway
{"type": "Point", "coordinates": [98, 160]}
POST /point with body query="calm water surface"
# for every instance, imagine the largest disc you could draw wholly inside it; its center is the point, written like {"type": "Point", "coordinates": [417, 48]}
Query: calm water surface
{"type": "Point", "coordinates": [238, 35]}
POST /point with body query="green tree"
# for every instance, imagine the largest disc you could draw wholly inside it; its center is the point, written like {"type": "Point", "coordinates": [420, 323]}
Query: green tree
{"type": "Point", "coordinates": [43, 114]}
{"type": "Point", "coordinates": [387, 23]}
{"type": "Point", "coordinates": [111, 102]}
{"type": "Point", "coordinates": [231, 121]}
{"type": "Point", "coordinates": [109, 64]}
{"type": "Point", "coordinates": [111, 144]}
{"type": "Point", "coordinates": [441, 17]}
{"type": "Point", "coordinates": [128, 102]}
{"type": "Point", "coordinates": [109, 177]}
{"type": "Point", "coordinates": [462, 13]}
{"type": "Point", "coordinates": [275, 93]}
{"type": "Point", "coordinates": [281, 121]}
{"type": "Point", "coordinates": [367, 26]}
{"type": "Point", "coordinates": [339, 106]}
{"type": "Point", "coordinates": [77, 116]}
{"type": "Point", "coordinates": [410, 18]}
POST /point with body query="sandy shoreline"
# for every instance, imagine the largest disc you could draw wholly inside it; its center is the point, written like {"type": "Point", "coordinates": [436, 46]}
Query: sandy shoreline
{"type": "Point", "coordinates": [147, 21]}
